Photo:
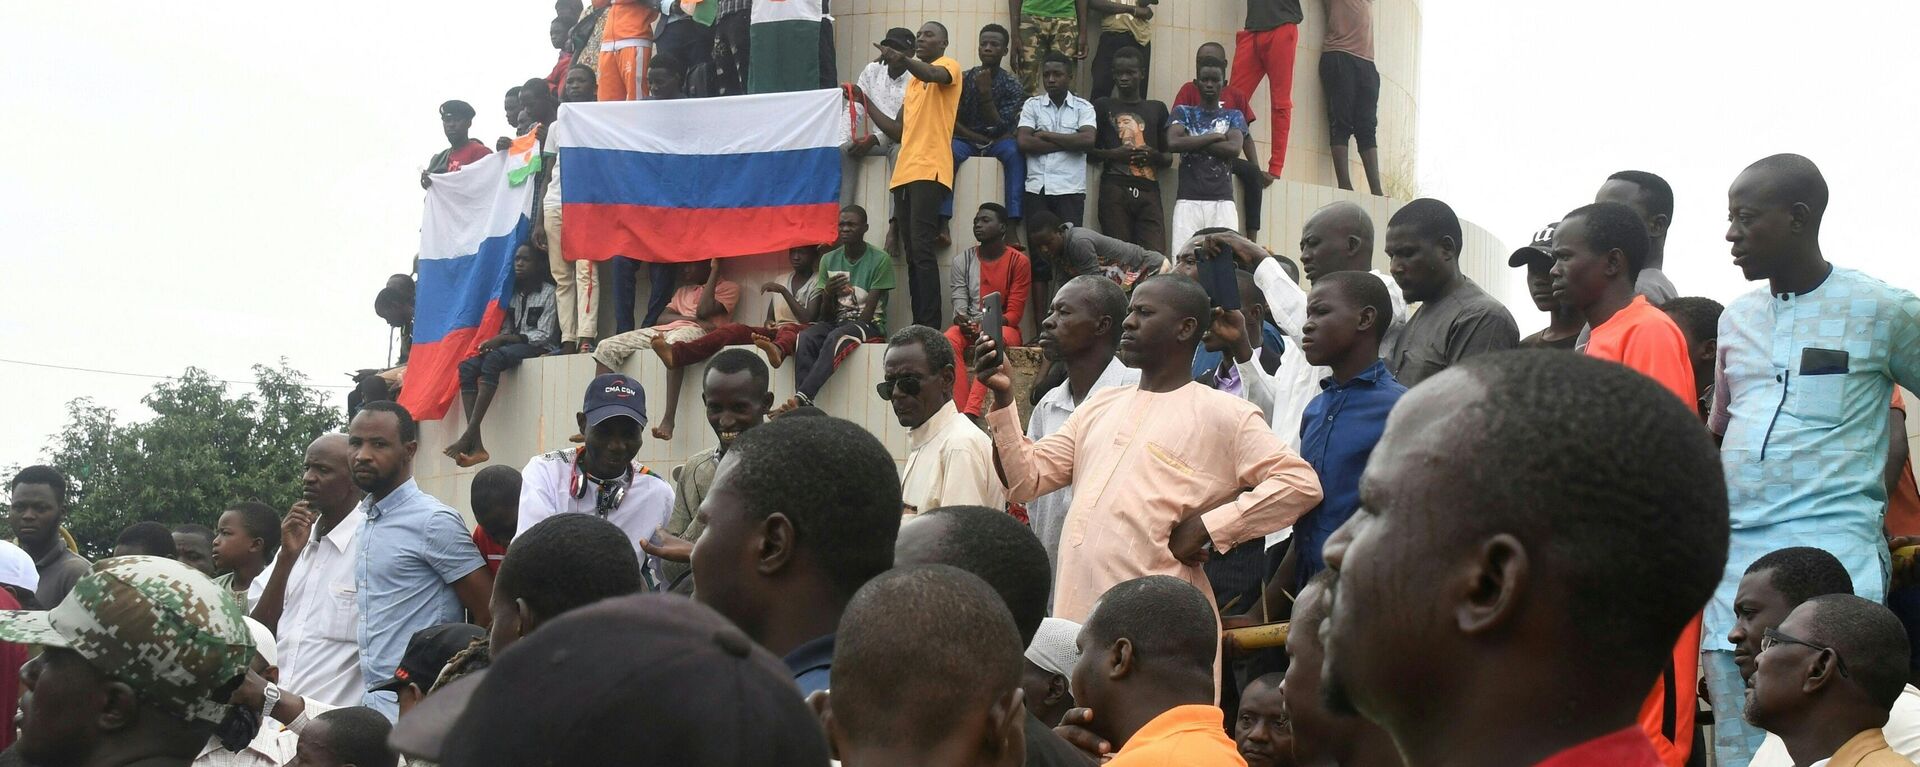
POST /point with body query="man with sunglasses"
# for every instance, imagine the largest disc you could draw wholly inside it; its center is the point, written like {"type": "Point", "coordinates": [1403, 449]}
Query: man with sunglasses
{"type": "Point", "coordinates": [601, 476]}
{"type": "Point", "coordinates": [1826, 678]}
{"type": "Point", "coordinates": [949, 460]}
{"type": "Point", "coordinates": [1770, 590]}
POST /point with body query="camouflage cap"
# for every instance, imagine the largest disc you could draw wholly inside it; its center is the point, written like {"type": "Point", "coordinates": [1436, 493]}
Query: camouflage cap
{"type": "Point", "coordinates": [159, 626]}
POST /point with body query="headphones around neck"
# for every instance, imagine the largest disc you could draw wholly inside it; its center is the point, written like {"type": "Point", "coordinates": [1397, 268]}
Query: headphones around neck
{"type": "Point", "coordinates": [612, 491]}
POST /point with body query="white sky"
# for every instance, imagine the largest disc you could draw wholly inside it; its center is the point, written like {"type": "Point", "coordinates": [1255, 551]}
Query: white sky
{"type": "Point", "coordinates": [219, 184]}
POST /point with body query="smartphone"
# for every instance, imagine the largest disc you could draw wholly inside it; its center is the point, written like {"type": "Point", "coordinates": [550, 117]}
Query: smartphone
{"type": "Point", "coordinates": [992, 315]}
{"type": "Point", "coordinates": [1216, 275]}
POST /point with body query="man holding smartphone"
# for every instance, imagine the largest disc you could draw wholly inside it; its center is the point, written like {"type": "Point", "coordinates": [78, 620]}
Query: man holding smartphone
{"type": "Point", "coordinates": [994, 267]}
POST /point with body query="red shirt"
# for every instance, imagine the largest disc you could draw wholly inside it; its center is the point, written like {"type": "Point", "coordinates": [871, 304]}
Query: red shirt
{"type": "Point", "coordinates": [1010, 275]}
{"type": "Point", "coordinates": [1624, 748]}
{"type": "Point", "coordinates": [1189, 96]}
{"type": "Point", "coordinates": [11, 657]}
{"type": "Point", "coordinates": [490, 550]}
{"type": "Point", "coordinates": [558, 77]}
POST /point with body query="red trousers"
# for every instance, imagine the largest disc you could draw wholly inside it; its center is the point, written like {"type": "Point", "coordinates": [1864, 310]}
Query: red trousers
{"type": "Point", "coordinates": [1269, 54]}
{"type": "Point", "coordinates": [968, 395]}
{"type": "Point", "coordinates": [700, 349]}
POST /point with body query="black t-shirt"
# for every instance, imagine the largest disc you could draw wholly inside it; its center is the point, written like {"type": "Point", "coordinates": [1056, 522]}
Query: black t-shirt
{"type": "Point", "coordinates": [1263, 15]}
{"type": "Point", "coordinates": [1133, 125]}
{"type": "Point", "coordinates": [1045, 749]}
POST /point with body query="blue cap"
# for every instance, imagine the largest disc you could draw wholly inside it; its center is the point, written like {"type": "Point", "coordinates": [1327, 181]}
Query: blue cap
{"type": "Point", "coordinates": [613, 395]}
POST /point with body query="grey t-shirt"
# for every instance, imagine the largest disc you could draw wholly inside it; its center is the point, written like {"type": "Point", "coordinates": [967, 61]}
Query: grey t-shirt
{"type": "Point", "coordinates": [1085, 251]}
{"type": "Point", "coordinates": [1442, 332]}
{"type": "Point", "coordinates": [1654, 284]}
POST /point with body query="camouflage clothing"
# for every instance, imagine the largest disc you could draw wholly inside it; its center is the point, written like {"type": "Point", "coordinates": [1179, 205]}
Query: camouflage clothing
{"type": "Point", "coordinates": [1038, 37]}
{"type": "Point", "coordinates": [159, 626]}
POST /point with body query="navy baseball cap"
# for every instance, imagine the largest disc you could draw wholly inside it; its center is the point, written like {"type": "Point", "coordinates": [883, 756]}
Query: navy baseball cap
{"type": "Point", "coordinates": [613, 395]}
{"type": "Point", "coordinates": [1541, 249]}
{"type": "Point", "coordinates": [428, 651]}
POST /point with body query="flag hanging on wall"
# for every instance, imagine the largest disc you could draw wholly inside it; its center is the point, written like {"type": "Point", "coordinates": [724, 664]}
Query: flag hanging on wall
{"type": "Point", "coordinates": [693, 179]}
{"type": "Point", "coordinates": [475, 218]}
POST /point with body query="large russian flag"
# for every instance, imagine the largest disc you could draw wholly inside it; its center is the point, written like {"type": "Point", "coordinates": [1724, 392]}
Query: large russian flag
{"type": "Point", "coordinates": [693, 179]}
{"type": "Point", "coordinates": [475, 218]}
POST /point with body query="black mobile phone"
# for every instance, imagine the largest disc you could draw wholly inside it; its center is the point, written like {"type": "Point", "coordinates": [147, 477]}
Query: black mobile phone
{"type": "Point", "coordinates": [1216, 275]}
{"type": "Point", "coordinates": [992, 316]}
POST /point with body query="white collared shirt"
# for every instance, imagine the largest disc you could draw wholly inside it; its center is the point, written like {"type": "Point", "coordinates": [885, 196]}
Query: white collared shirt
{"type": "Point", "coordinates": [319, 621]}
{"type": "Point", "coordinates": [950, 463]}
{"type": "Point", "coordinates": [272, 746]}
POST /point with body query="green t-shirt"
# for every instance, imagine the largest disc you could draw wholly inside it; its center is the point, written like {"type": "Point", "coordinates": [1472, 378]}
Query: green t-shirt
{"type": "Point", "coordinates": [1048, 9]}
{"type": "Point", "coordinates": [874, 271]}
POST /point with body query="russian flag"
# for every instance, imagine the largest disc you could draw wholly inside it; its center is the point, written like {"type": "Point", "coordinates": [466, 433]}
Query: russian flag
{"type": "Point", "coordinates": [475, 218]}
{"type": "Point", "coordinates": [693, 179]}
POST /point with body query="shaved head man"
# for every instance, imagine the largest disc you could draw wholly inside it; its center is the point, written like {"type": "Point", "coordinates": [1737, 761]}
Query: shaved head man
{"type": "Point", "coordinates": [315, 563]}
{"type": "Point", "coordinates": [1339, 238]}
{"type": "Point", "coordinates": [1535, 602]}
{"type": "Point", "coordinates": [1800, 398]}
{"type": "Point", "coordinates": [1652, 200]}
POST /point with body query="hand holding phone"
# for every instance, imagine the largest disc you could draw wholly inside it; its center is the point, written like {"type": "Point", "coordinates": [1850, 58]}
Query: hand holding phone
{"type": "Point", "coordinates": [992, 318]}
{"type": "Point", "coordinates": [1217, 276]}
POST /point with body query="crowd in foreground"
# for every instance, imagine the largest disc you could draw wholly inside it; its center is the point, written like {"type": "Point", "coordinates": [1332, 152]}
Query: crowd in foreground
{"type": "Point", "coordinates": [1550, 546]}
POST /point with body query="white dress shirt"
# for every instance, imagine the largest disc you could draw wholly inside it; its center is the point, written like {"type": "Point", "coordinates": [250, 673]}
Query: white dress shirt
{"type": "Point", "coordinates": [272, 746]}
{"type": "Point", "coordinates": [950, 463]}
{"type": "Point", "coordinates": [319, 621]}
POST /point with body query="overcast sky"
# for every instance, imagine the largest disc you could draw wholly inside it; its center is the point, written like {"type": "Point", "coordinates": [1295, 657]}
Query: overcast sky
{"type": "Point", "coordinates": [219, 184]}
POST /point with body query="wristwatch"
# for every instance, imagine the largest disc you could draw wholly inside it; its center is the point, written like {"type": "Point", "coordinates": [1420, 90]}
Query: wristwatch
{"type": "Point", "coordinates": [272, 696]}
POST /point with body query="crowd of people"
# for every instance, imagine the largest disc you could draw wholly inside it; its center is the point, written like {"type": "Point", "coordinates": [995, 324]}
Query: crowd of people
{"type": "Point", "coordinates": [1475, 548]}
{"type": "Point", "coordinates": [914, 109]}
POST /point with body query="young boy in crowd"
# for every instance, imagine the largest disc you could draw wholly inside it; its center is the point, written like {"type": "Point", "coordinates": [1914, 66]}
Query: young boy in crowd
{"type": "Point", "coordinates": [531, 330]}
{"type": "Point", "coordinates": [1131, 143]}
{"type": "Point", "coordinates": [1563, 322]}
{"type": "Point", "coordinates": [1348, 314]}
{"type": "Point", "coordinates": [704, 301]}
{"type": "Point", "coordinates": [1253, 175]}
{"type": "Point", "coordinates": [1208, 136]}
{"type": "Point", "coordinates": [993, 266]}
{"type": "Point", "coordinates": [496, 509]}
{"type": "Point", "coordinates": [794, 301]}
{"type": "Point", "coordinates": [244, 542]}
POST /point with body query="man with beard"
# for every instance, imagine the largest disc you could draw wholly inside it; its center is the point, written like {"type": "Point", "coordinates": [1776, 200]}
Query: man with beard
{"type": "Point", "coordinates": [415, 564]}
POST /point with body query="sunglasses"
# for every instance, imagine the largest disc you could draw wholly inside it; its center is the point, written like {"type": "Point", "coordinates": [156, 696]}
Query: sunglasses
{"type": "Point", "coordinates": [908, 385]}
{"type": "Point", "coordinates": [1773, 637]}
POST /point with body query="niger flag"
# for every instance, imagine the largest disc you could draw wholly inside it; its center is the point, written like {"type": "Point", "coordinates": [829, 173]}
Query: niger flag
{"type": "Point", "coordinates": [786, 45]}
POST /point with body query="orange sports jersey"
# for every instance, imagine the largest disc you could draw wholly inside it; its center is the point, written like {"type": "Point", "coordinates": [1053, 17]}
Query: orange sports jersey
{"type": "Point", "coordinates": [627, 20]}
{"type": "Point", "coordinates": [1645, 339]}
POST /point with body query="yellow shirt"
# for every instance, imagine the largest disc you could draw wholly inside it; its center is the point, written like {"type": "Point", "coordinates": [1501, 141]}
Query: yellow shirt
{"type": "Point", "coordinates": [926, 128]}
{"type": "Point", "coordinates": [1141, 462]}
{"type": "Point", "coordinates": [1187, 736]}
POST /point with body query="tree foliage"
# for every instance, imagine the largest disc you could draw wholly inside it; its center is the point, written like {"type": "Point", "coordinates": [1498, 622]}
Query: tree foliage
{"type": "Point", "coordinates": [202, 451]}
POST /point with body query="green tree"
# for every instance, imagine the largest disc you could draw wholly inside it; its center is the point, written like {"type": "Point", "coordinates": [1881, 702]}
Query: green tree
{"type": "Point", "coordinates": [202, 450]}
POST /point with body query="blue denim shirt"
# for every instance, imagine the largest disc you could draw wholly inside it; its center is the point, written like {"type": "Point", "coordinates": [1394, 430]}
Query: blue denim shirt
{"type": "Point", "coordinates": [411, 549]}
{"type": "Point", "coordinates": [1337, 435]}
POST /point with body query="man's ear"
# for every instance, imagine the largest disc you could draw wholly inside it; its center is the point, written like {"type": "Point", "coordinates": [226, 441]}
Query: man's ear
{"type": "Point", "coordinates": [766, 402]}
{"type": "Point", "coordinates": [775, 548]}
{"type": "Point", "coordinates": [1710, 350]}
{"type": "Point", "coordinates": [580, 420]}
{"type": "Point", "coordinates": [1449, 246]}
{"type": "Point", "coordinates": [822, 704]}
{"type": "Point", "coordinates": [1007, 727]}
{"type": "Point", "coordinates": [1802, 216]}
{"type": "Point", "coordinates": [1369, 319]}
{"type": "Point", "coordinates": [1492, 585]}
{"type": "Point", "coordinates": [119, 707]}
{"type": "Point", "coordinates": [1821, 671]}
{"type": "Point", "coordinates": [1657, 227]}
{"type": "Point", "coordinates": [1058, 690]}
{"type": "Point", "coordinates": [1617, 262]}
{"type": "Point", "coordinates": [1120, 659]}
{"type": "Point", "coordinates": [529, 620]}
